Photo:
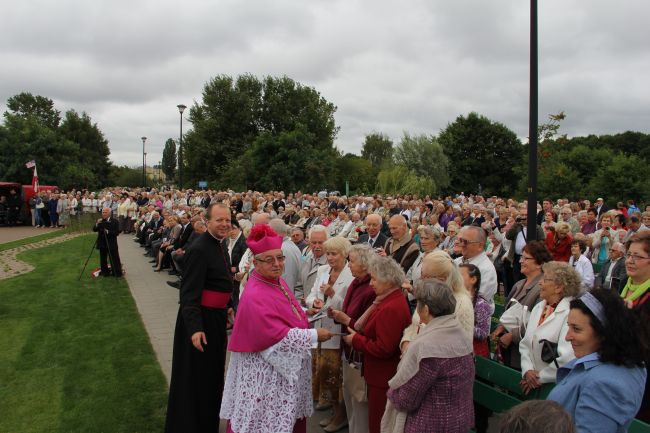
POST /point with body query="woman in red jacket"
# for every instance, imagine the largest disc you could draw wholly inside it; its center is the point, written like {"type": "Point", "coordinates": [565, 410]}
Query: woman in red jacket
{"type": "Point", "coordinates": [377, 334]}
{"type": "Point", "coordinates": [559, 241]}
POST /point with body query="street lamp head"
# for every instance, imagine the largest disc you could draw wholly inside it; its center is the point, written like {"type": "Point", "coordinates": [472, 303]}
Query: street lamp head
{"type": "Point", "coordinates": [144, 139]}
{"type": "Point", "coordinates": [181, 108]}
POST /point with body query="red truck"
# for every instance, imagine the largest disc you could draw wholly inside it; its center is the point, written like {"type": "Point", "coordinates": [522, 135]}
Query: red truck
{"type": "Point", "coordinates": [25, 192]}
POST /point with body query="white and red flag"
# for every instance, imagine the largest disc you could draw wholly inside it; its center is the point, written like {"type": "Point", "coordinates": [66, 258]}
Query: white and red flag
{"type": "Point", "coordinates": [30, 164]}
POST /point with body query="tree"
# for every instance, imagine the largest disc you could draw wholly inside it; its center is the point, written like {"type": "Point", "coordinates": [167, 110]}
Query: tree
{"type": "Point", "coordinates": [398, 179]}
{"type": "Point", "coordinates": [358, 172]}
{"type": "Point", "coordinates": [377, 148]}
{"type": "Point", "coordinates": [68, 154]}
{"type": "Point", "coordinates": [40, 108]}
{"type": "Point", "coordinates": [169, 159]}
{"type": "Point", "coordinates": [93, 148]}
{"type": "Point", "coordinates": [424, 156]}
{"type": "Point", "coordinates": [281, 130]}
{"type": "Point", "coordinates": [482, 154]}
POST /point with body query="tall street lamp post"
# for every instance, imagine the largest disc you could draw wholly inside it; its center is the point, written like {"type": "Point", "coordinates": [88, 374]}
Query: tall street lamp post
{"type": "Point", "coordinates": [181, 108]}
{"type": "Point", "coordinates": [144, 164]}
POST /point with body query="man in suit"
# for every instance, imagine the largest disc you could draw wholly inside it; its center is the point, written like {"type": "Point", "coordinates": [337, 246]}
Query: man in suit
{"type": "Point", "coordinates": [613, 274]}
{"type": "Point", "coordinates": [107, 230]}
{"type": "Point", "coordinates": [373, 236]}
{"type": "Point", "coordinates": [601, 207]}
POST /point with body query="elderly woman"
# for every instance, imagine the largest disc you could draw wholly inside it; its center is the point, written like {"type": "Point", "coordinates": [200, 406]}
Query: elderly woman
{"type": "Point", "coordinates": [439, 265]}
{"type": "Point", "coordinates": [430, 238]}
{"type": "Point", "coordinates": [329, 291]}
{"type": "Point", "coordinates": [558, 242]}
{"type": "Point", "coordinates": [63, 209]}
{"type": "Point", "coordinates": [450, 238]}
{"type": "Point", "coordinates": [359, 298]}
{"type": "Point", "coordinates": [581, 263]}
{"type": "Point", "coordinates": [548, 321]}
{"type": "Point", "coordinates": [377, 334]}
{"type": "Point", "coordinates": [602, 388]}
{"type": "Point", "coordinates": [432, 389]}
{"type": "Point", "coordinates": [521, 300]}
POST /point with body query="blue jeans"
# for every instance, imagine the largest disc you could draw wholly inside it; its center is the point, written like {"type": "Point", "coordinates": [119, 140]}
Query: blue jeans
{"type": "Point", "coordinates": [37, 217]}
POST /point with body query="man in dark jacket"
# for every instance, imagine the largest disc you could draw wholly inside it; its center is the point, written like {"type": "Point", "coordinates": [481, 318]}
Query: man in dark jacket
{"type": "Point", "coordinates": [613, 274]}
{"type": "Point", "coordinates": [107, 229]}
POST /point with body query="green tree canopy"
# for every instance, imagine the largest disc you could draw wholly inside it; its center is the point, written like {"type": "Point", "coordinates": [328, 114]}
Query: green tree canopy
{"type": "Point", "coordinates": [424, 156]}
{"type": "Point", "coordinates": [278, 132]}
{"type": "Point", "coordinates": [169, 159]}
{"type": "Point", "coordinates": [377, 148]}
{"type": "Point", "coordinates": [481, 152]}
{"type": "Point", "coordinates": [72, 153]}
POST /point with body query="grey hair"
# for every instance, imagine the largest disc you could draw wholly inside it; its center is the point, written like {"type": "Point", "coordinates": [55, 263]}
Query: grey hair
{"type": "Point", "coordinates": [279, 226]}
{"type": "Point", "coordinates": [430, 231]}
{"type": "Point", "coordinates": [387, 270]}
{"type": "Point", "coordinates": [619, 245]}
{"type": "Point", "coordinates": [319, 228]}
{"type": "Point", "coordinates": [364, 253]}
{"type": "Point", "coordinates": [565, 275]}
{"type": "Point", "coordinates": [437, 296]}
{"type": "Point", "coordinates": [480, 233]}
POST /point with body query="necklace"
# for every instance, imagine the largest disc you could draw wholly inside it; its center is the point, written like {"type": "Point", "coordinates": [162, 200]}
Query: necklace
{"type": "Point", "coordinates": [284, 292]}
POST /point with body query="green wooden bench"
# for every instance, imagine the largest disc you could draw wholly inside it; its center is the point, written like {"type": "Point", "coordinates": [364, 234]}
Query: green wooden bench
{"type": "Point", "coordinates": [496, 387]}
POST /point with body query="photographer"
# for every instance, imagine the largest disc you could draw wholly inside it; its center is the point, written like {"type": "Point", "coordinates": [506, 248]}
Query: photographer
{"type": "Point", "coordinates": [107, 230]}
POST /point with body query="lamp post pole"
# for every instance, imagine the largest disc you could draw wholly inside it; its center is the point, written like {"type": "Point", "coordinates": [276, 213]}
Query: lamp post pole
{"type": "Point", "coordinates": [532, 126]}
{"type": "Point", "coordinates": [144, 163]}
{"type": "Point", "coordinates": [145, 169]}
{"type": "Point", "coordinates": [181, 108]}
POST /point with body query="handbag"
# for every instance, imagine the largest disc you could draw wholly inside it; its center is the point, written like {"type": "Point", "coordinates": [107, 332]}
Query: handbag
{"type": "Point", "coordinates": [549, 352]}
{"type": "Point", "coordinates": [355, 382]}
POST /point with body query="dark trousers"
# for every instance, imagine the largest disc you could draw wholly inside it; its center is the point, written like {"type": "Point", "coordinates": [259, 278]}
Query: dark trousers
{"type": "Point", "coordinates": [116, 265]}
{"type": "Point", "coordinates": [197, 377]}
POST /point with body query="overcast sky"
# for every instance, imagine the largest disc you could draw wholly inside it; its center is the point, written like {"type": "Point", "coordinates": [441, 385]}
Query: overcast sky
{"type": "Point", "coordinates": [388, 66]}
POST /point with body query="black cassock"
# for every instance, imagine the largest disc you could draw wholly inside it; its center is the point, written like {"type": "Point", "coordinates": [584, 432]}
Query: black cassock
{"type": "Point", "coordinates": [107, 231]}
{"type": "Point", "coordinates": [198, 377]}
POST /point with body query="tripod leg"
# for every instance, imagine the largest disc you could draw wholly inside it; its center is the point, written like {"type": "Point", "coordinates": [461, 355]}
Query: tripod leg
{"type": "Point", "coordinates": [86, 264]}
{"type": "Point", "coordinates": [110, 256]}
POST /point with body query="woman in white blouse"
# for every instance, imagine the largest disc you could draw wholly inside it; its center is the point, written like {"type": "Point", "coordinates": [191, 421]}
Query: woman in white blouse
{"type": "Point", "coordinates": [328, 291]}
{"type": "Point", "coordinates": [548, 321]}
{"type": "Point", "coordinates": [582, 264]}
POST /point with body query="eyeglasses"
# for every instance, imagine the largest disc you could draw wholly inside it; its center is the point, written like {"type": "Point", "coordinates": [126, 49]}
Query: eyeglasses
{"type": "Point", "coordinates": [271, 260]}
{"type": "Point", "coordinates": [635, 257]}
{"type": "Point", "coordinates": [524, 258]}
{"type": "Point", "coordinates": [467, 242]}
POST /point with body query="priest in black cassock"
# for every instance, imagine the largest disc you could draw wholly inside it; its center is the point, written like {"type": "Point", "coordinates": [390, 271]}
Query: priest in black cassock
{"type": "Point", "coordinates": [107, 229]}
{"type": "Point", "coordinates": [199, 356]}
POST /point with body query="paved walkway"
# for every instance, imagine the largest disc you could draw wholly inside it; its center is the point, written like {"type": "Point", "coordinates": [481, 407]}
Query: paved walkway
{"type": "Point", "coordinates": [156, 301]}
{"type": "Point", "coordinates": [9, 234]}
{"type": "Point", "coordinates": [10, 266]}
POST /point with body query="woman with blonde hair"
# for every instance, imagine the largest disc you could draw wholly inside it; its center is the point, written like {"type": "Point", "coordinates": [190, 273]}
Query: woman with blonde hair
{"type": "Point", "coordinates": [329, 291]}
{"type": "Point", "coordinates": [439, 266]}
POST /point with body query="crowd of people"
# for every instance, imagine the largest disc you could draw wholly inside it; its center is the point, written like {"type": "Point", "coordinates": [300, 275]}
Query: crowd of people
{"type": "Point", "coordinates": [385, 302]}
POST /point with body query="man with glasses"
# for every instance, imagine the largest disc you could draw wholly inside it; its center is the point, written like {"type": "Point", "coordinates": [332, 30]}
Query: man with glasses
{"type": "Point", "coordinates": [199, 356]}
{"type": "Point", "coordinates": [472, 241]}
{"type": "Point", "coordinates": [518, 235]}
{"type": "Point", "coordinates": [613, 274]}
{"type": "Point", "coordinates": [634, 226]}
{"type": "Point", "coordinates": [566, 215]}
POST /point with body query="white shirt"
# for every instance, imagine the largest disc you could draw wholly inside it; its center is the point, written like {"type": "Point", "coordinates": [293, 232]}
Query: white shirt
{"type": "Point", "coordinates": [489, 283]}
{"type": "Point", "coordinates": [586, 270]}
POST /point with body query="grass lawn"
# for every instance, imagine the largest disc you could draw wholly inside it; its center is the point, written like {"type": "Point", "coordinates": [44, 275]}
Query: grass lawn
{"type": "Point", "coordinates": [74, 355]}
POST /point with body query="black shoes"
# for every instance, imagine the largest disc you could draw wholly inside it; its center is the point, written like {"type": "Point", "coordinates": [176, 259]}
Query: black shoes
{"type": "Point", "coordinates": [174, 284]}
